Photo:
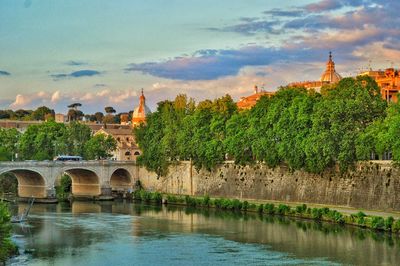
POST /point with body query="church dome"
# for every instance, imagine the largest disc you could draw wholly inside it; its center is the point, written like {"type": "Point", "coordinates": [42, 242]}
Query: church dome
{"type": "Point", "coordinates": [140, 112]}
{"type": "Point", "coordinates": [330, 75]}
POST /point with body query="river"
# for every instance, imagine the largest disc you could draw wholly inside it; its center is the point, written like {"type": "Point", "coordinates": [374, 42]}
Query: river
{"type": "Point", "coordinates": [123, 233]}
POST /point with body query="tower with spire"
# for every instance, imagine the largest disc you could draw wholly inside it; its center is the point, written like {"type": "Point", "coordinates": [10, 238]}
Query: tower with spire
{"type": "Point", "coordinates": [140, 112]}
{"type": "Point", "coordinates": [330, 75]}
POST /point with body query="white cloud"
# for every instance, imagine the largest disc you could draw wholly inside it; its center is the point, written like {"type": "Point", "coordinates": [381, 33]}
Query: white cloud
{"type": "Point", "coordinates": [56, 97]}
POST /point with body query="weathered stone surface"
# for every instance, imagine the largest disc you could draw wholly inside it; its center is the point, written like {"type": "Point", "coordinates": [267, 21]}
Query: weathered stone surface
{"type": "Point", "coordinates": [372, 185]}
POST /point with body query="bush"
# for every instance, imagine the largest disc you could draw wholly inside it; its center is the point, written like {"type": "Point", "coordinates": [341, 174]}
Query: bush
{"type": "Point", "coordinates": [283, 209]}
{"type": "Point", "coordinates": [245, 205]}
{"type": "Point", "coordinates": [301, 208]}
{"type": "Point", "coordinates": [206, 201]}
{"type": "Point", "coordinates": [157, 197]}
{"type": "Point", "coordinates": [316, 213]}
{"type": "Point", "coordinates": [7, 248]}
{"type": "Point", "coordinates": [145, 196]}
{"type": "Point", "coordinates": [396, 226]}
{"type": "Point", "coordinates": [190, 201]}
{"type": "Point", "coordinates": [260, 208]}
{"type": "Point", "coordinates": [389, 223]}
{"type": "Point", "coordinates": [377, 223]}
{"type": "Point", "coordinates": [269, 208]}
{"type": "Point", "coordinates": [236, 205]}
{"type": "Point", "coordinates": [360, 218]}
{"type": "Point", "coordinates": [336, 216]}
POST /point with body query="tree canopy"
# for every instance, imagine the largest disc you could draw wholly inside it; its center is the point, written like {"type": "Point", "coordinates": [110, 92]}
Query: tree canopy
{"type": "Point", "coordinates": [302, 129]}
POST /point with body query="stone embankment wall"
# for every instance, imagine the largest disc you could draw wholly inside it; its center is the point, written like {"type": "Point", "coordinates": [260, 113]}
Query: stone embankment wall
{"type": "Point", "coordinates": [372, 185]}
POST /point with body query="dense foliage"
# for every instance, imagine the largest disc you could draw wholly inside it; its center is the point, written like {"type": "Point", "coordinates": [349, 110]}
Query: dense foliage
{"type": "Point", "coordinates": [7, 248]}
{"type": "Point", "coordinates": [303, 129]}
{"type": "Point", "coordinates": [46, 140]}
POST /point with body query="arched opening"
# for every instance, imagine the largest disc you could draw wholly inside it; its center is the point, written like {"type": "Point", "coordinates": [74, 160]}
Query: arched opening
{"type": "Point", "coordinates": [8, 184]}
{"type": "Point", "coordinates": [136, 153]}
{"type": "Point", "coordinates": [30, 183]}
{"type": "Point", "coordinates": [63, 186]}
{"type": "Point", "coordinates": [121, 180]}
{"type": "Point", "coordinates": [84, 182]}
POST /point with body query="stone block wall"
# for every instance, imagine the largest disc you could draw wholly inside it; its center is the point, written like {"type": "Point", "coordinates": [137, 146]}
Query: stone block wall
{"type": "Point", "coordinates": [372, 185]}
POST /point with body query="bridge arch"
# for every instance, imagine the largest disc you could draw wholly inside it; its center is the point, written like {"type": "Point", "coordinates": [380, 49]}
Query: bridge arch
{"type": "Point", "coordinates": [31, 183]}
{"type": "Point", "coordinates": [85, 182]}
{"type": "Point", "coordinates": [121, 179]}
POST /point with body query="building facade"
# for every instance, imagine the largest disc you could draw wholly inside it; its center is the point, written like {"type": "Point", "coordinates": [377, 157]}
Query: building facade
{"type": "Point", "coordinates": [388, 82]}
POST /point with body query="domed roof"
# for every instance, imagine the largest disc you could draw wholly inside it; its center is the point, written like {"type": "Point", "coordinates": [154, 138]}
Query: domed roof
{"type": "Point", "coordinates": [330, 75]}
{"type": "Point", "coordinates": [140, 112]}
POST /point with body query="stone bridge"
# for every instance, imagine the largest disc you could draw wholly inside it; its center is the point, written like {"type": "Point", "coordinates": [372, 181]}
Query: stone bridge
{"type": "Point", "coordinates": [89, 178]}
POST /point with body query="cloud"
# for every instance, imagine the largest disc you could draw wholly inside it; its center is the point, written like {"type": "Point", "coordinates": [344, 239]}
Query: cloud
{"type": "Point", "coordinates": [76, 74]}
{"type": "Point", "coordinates": [251, 26]}
{"type": "Point", "coordinates": [213, 64]}
{"type": "Point", "coordinates": [329, 5]}
{"type": "Point", "coordinates": [27, 100]}
{"type": "Point", "coordinates": [276, 12]}
{"type": "Point", "coordinates": [55, 97]}
{"type": "Point", "coordinates": [4, 73]}
{"type": "Point", "coordinates": [76, 63]}
{"type": "Point", "coordinates": [123, 100]}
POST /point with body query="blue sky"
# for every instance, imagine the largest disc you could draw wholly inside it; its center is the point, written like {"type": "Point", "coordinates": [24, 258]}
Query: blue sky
{"type": "Point", "coordinates": [101, 52]}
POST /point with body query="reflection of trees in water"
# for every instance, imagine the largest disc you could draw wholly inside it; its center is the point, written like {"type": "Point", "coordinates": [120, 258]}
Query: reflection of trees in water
{"type": "Point", "coordinates": [69, 233]}
{"type": "Point", "coordinates": [302, 237]}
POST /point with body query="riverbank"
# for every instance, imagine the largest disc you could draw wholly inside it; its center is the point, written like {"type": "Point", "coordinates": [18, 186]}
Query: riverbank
{"type": "Point", "coordinates": [7, 247]}
{"type": "Point", "coordinates": [360, 219]}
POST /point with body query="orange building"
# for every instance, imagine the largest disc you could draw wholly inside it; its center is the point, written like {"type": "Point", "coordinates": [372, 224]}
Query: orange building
{"type": "Point", "coordinates": [140, 112]}
{"type": "Point", "coordinates": [249, 101]}
{"type": "Point", "coordinates": [388, 82]}
{"type": "Point", "coordinates": [329, 76]}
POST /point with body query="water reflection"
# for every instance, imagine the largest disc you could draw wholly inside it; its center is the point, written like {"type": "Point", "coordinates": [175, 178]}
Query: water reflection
{"type": "Point", "coordinates": [73, 234]}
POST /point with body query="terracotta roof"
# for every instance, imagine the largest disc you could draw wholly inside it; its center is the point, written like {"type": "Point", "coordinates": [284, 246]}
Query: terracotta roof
{"type": "Point", "coordinates": [249, 101]}
{"type": "Point", "coordinates": [117, 131]}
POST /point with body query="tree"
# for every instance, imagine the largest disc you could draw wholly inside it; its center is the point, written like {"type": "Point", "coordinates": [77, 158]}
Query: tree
{"type": "Point", "coordinates": [9, 143]}
{"type": "Point", "coordinates": [77, 134]}
{"type": "Point", "coordinates": [74, 115]}
{"type": "Point", "coordinates": [74, 106]}
{"type": "Point", "coordinates": [99, 147]}
{"type": "Point", "coordinates": [338, 119]}
{"type": "Point", "coordinates": [99, 117]}
{"type": "Point", "coordinates": [41, 112]}
{"type": "Point", "coordinates": [43, 141]}
{"type": "Point", "coordinates": [109, 110]}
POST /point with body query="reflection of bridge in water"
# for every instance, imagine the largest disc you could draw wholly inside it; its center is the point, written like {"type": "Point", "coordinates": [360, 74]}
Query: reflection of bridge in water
{"type": "Point", "coordinates": [89, 178]}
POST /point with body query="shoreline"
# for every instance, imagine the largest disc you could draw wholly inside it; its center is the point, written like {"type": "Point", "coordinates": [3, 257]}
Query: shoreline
{"type": "Point", "coordinates": [331, 214]}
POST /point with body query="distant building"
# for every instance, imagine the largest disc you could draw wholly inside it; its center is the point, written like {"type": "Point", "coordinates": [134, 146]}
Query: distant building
{"type": "Point", "coordinates": [388, 82]}
{"type": "Point", "coordinates": [249, 101]}
{"type": "Point", "coordinates": [21, 126]}
{"type": "Point", "coordinates": [330, 76]}
{"type": "Point", "coordinates": [124, 118]}
{"type": "Point", "coordinates": [140, 112]}
{"type": "Point", "coordinates": [60, 118]}
{"type": "Point", "coordinates": [127, 150]}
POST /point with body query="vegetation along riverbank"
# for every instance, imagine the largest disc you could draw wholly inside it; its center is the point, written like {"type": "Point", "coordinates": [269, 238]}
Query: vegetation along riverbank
{"type": "Point", "coordinates": [359, 219]}
{"type": "Point", "coordinates": [7, 247]}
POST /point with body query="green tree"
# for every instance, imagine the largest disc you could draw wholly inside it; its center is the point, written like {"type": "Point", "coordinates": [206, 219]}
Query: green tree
{"type": "Point", "coordinates": [99, 147]}
{"type": "Point", "coordinates": [338, 119]}
{"type": "Point", "coordinates": [77, 135]}
{"type": "Point", "coordinates": [8, 144]}
{"type": "Point", "coordinates": [43, 141]}
{"type": "Point", "coordinates": [41, 112]}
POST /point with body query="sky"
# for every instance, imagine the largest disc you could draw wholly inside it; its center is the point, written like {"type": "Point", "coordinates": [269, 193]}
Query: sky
{"type": "Point", "coordinates": [101, 53]}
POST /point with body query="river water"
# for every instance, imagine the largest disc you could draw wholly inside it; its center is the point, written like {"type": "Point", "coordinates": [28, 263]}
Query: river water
{"type": "Point", "coordinates": [122, 233]}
